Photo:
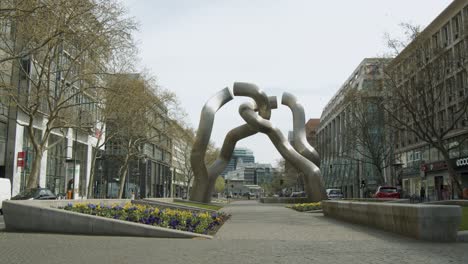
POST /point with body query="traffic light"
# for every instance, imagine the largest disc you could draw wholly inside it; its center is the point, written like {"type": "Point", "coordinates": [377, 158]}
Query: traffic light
{"type": "Point", "coordinates": [281, 182]}
{"type": "Point", "coordinates": [363, 183]}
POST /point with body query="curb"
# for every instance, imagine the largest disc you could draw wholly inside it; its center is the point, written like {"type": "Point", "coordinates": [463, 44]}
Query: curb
{"type": "Point", "coordinates": [462, 236]}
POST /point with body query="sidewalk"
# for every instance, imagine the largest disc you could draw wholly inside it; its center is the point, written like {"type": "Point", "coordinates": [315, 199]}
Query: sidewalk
{"type": "Point", "coordinates": [256, 233]}
{"type": "Point", "coordinates": [255, 221]}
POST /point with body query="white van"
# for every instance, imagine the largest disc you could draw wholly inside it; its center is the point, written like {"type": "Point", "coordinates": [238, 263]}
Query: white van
{"type": "Point", "coordinates": [5, 191]}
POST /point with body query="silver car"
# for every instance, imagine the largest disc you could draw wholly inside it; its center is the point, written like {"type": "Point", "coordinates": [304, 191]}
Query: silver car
{"type": "Point", "coordinates": [334, 194]}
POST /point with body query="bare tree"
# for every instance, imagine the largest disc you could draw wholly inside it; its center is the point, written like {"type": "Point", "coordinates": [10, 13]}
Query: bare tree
{"type": "Point", "coordinates": [369, 137]}
{"type": "Point", "coordinates": [427, 97]}
{"type": "Point", "coordinates": [284, 176]}
{"type": "Point", "coordinates": [58, 51]}
{"type": "Point", "coordinates": [183, 141]}
{"type": "Point", "coordinates": [138, 114]}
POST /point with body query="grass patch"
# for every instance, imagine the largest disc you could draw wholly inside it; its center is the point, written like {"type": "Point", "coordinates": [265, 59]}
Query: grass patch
{"type": "Point", "coordinates": [202, 206]}
{"type": "Point", "coordinates": [464, 222]}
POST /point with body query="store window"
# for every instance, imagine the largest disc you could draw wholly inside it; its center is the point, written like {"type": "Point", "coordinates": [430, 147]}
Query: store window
{"type": "Point", "coordinates": [56, 155]}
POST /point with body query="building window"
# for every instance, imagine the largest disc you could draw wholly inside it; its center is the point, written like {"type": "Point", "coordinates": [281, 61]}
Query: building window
{"type": "Point", "coordinates": [456, 21]}
{"type": "Point", "coordinates": [435, 41]}
{"type": "Point", "coordinates": [445, 35]}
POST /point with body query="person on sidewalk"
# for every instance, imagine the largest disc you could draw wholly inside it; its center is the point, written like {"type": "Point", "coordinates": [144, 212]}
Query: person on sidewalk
{"type": "Point", "coordinates": [422, 194]}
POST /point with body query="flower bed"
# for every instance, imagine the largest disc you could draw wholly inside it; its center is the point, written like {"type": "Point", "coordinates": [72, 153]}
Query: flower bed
{"type": "Point", "coordinates": [184, 220]}
{"type": "Point", "coordinates": [306, 206]}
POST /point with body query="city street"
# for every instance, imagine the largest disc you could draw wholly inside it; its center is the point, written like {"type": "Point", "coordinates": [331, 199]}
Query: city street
{"type": "Point", "coordinates": [256, 233]}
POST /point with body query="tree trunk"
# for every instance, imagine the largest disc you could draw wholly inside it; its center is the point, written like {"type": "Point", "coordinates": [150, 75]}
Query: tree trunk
{"type": "Point", "coordinates": [452, 174]}
{"type": "Point", "coordinates": [454, 180]}
{"type": "Point", "coordinates": [36, 168]}
{"type": "Point", "coordinates": [91, 178]}
{"type": "Point", "coordinates": [123, 176]}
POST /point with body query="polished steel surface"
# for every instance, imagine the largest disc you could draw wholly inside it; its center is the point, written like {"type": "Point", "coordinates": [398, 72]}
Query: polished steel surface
{"type": "Point", "coordinates": [200, 185]}
{"type": "Point", "coordinates": [203, 186]}
{"type": "Point", "coordinates": [300, 143]}
{"type": "Point", "coordinates": [313, 183]}
{"type": "Point", "coordinates": [256, 122]}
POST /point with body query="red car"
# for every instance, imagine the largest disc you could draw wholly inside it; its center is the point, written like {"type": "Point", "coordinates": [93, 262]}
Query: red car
{"type": "Point", "coordinates": [387, 192]}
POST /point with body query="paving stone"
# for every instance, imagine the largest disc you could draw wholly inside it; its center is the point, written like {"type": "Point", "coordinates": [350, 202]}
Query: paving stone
{"type": "Point", "coordinates": [256, 233]}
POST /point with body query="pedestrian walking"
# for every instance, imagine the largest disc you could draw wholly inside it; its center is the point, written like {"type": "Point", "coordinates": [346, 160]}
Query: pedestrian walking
{"type": "Point", "coordinates": [422, 194]}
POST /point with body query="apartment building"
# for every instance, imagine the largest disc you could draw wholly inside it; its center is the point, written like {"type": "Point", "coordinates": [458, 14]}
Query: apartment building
{"type": "Point", "coordinates": [345, 163]}
{"type": "Point", "coordinates": [436, 63]}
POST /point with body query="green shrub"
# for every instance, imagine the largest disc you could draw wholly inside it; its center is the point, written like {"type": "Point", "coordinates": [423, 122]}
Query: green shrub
{"type": "Point", "coordinates": [306, 206]}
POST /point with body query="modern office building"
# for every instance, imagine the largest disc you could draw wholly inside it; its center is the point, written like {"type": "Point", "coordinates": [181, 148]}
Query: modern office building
{"type": "Point", "coordinates": [342, 165]}
{"type": "Point", "coordinates": [252, 173]}
{"type": "Point", "coordinates": [65, 161]}
{"type": "Point", "coordinates": [441, 48]}
{"type": "Point", "coordinates": [239, 156]}
{"type": "Point", "coordinates": [248, 177]}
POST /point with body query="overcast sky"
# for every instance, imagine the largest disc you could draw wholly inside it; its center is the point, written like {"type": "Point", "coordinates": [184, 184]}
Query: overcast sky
{"type": "Point", "coordinates": [305, 47]}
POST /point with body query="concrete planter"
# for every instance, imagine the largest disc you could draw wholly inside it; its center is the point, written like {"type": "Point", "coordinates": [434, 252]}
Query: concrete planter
{"type": "Point", "coordinates": [288, 200]}
{"type": "Point", "coordinates": [44, 216]}
{"type": "Point", "coordinates": [425, 222]}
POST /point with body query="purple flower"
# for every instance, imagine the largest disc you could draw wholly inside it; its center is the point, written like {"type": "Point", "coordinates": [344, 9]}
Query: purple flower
{"type": "Point", "coordinates": [157, 220]}
{"type": "Point", "coordinates": [174, 223]}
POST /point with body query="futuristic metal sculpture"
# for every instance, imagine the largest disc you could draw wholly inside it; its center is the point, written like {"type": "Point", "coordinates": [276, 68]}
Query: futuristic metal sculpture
{"type": "Point", "coordinates": [301, 155]}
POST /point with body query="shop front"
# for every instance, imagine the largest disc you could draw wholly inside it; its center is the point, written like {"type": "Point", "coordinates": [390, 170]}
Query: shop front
{"type": "Point", "coordinates": [411, 180]}
{"type": "Point", "coordinates": [461, 168]}
{"type": "Point", "coordinates": [436, 181]}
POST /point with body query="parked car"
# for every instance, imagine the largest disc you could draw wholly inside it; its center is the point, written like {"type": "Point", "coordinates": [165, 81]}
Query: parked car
{"type": "Point", "coordinates": [5, 191]}
{"type": "Point", "coordinates": [387, 192]}
{"type": "Point", "coordinates": [298, 194]}
{"type": "Point", "coordinates": [35, 194]}
{"type": "Point", "coordinates": [248, 195]}
{"type": "Point", "coordinates": [334, 194]}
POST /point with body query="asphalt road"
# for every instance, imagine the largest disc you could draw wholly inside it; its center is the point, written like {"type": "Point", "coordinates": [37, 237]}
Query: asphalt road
{"type": "Point", "coordinates": [256, 233]}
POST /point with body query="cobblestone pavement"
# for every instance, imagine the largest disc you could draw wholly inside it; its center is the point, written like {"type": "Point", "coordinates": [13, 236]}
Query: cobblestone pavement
{"type": "Point", "coordinates": [256, 233]}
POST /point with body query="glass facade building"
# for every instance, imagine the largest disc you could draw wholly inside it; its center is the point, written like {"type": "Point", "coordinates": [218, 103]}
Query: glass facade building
{"type": "Point", "coordinates": [239, 156]}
